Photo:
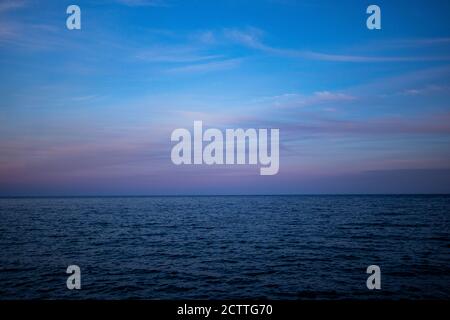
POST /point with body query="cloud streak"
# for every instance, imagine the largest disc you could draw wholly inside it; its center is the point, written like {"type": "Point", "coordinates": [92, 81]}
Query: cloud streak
{"type": "Point", "coordinates": [7, 5]}
{"type": "Point", "coordinates": [206, 67]}
{"type": "Point", "coordinates": [143, 3]}
{"type": "Point", "coordinates": [251, 38]}
{"type": "Point", "coordinates": [175, 54]}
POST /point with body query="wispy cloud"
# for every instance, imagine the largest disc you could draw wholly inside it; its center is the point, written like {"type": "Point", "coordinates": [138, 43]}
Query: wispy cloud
{"type": "Point", "coordinates": [33, 36]}
{"type": "Point", "coordinates": [251, 38]}
{"type": "Point", "coordinates": [413, 42]}
{"type": "Point", "coordinates": [86, 98]}
{"type": "Point", "coordinates": [207, 67]}
{"type": "Point", "coordinates": [7, 5]}
{"type": "Point", "coordinates": [429, 89]}
{"type": "Point", "coordinates": [357, 58]}
{"type": "Point", "coordinates": [206, 37]}
{"type": "Point", "coordinates": [293, 100]}
{"type": "Point", "coordinates": [143, 3]}
{"type": "Point", "coordinates": [175, 54]}
{"type": "Point", "coordinates": [7, 31]}
{"type": "Point", "coordinates": [434, 124]}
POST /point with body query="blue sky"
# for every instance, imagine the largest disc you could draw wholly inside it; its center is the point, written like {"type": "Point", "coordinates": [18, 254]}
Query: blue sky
{"type": "Point", "coordinates": [90, 111]}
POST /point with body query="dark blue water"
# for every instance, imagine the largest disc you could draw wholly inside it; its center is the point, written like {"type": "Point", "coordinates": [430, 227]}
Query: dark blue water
{"type": "Point", "coordinates": [280, 247]}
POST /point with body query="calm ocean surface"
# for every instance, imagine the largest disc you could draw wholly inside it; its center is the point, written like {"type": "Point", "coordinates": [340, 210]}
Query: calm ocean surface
{"type": "Point", "coordinates": [278, 247]}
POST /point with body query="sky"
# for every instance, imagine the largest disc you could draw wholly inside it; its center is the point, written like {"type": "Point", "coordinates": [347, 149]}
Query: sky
{"type": "Point", "coordinates": [91, 111]}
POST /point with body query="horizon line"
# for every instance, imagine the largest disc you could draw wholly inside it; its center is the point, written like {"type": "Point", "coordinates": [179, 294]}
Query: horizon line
{"type": "Point", "coordinates": [224, 195]}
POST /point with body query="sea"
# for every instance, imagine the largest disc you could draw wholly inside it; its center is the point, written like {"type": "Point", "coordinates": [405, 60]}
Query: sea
{"type": "Point", "coordinates": [306, 247]}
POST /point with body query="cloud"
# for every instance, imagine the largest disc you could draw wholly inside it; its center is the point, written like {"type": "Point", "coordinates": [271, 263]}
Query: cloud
{"type": "Point", "coordinates": [206, 37]}
{"type": "Point", "coordinates": [174, 54]}
{"type": "Point", "coordinates": [7, 31]}
{"type": "Point", "coordinates": [411, 43]}
{"type": "Point", "coordinates": [399, 84]}
{"type": "Point", "coordinates": [331, 96]}
{"type": "Point", "coordinates": [291, 100]}
{"type": "Point", "coordinates": [7, 5]}
{"type": "Point", "coordinates": [429, 89]}
{"type": "Point", "coordinates": [357, 58]}
{"type": "Point", "coordinates": [251, 38]}
{"type": "Point", "coordinates": [34, 36]}
{"type": "Point", "coordinates": [86, 98]}
{"type": "Point", "coordinates": [435, 124]}
{"type": "Point", "coordinates": [143, 3]}
{"type": "Point", "coordinates": [207, 67]}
